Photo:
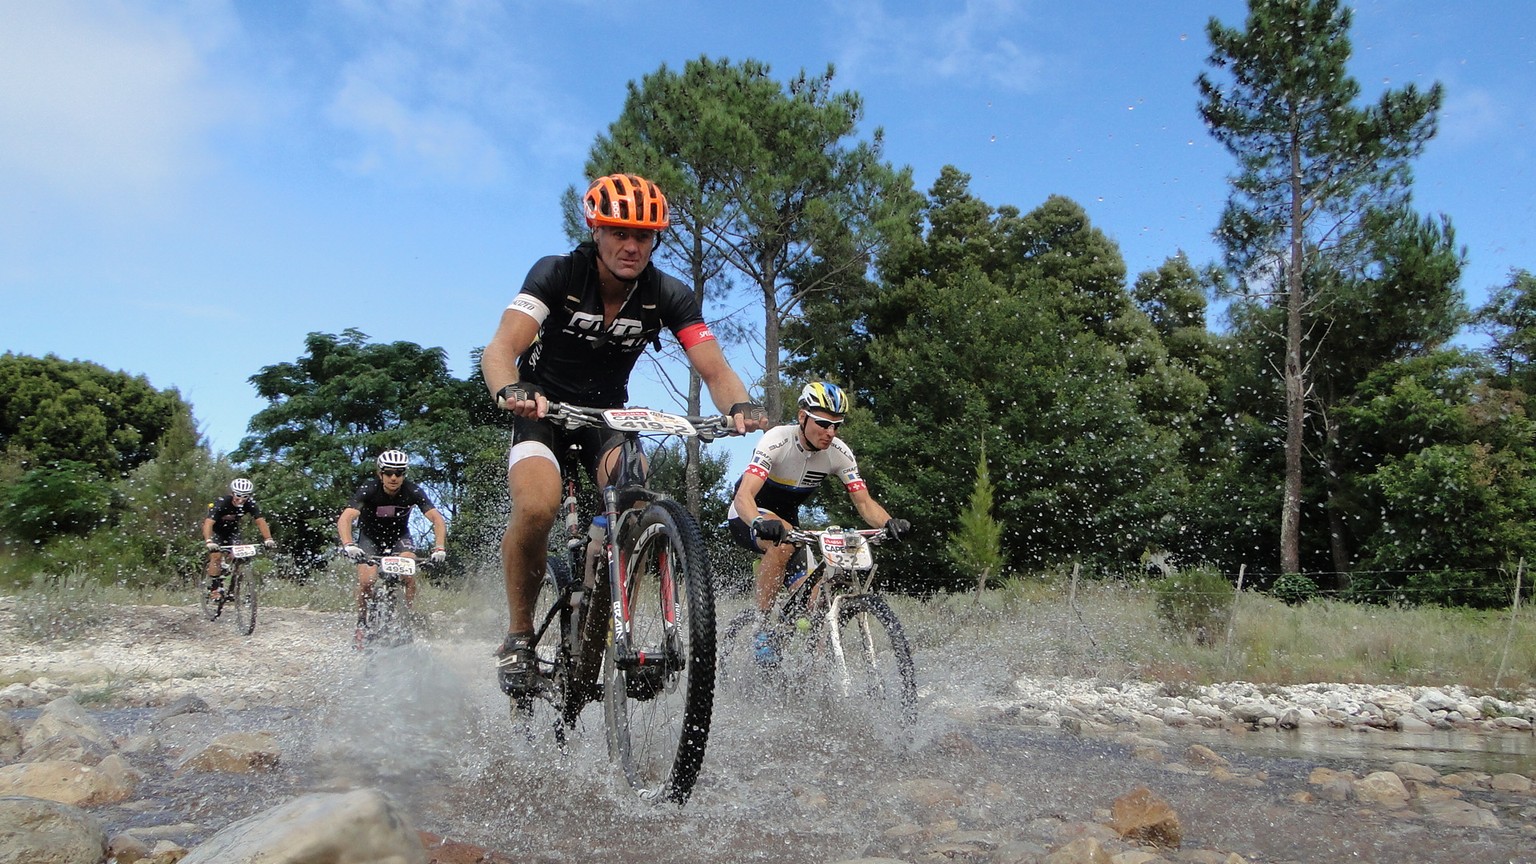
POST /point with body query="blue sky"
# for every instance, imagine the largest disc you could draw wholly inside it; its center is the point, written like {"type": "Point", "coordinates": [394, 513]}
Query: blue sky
{"type": "Point", "coordinates": [187, 189]}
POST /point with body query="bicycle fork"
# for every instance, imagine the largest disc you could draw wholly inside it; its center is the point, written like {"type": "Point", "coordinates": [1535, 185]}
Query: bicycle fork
{"type": "Point", "coordinates": [663, 657]}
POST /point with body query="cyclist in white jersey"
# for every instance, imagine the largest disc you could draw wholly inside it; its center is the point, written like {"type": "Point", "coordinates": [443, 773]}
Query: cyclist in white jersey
{"type": "Point", "coordinates": [787, 467]}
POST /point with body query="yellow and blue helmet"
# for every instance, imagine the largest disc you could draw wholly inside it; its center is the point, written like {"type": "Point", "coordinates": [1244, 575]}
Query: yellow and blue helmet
{"type": "Point", "coordinates": [825, 396]}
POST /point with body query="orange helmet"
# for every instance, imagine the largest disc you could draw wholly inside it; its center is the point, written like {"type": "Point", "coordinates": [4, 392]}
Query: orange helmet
{"type": "Point", "coordinates": [625, 201]}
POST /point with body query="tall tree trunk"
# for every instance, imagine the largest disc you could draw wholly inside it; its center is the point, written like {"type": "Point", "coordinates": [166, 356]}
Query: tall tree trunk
{"type": "Point", "coordinates": [773, 400]}
{"type": "Point", "coordinates": [1295, 382]}
{"type": "Point", "coordinates": [691, 475]}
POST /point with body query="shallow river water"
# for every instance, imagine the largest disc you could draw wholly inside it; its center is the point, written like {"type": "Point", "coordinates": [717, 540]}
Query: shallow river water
{"type": "Point", "coordinates": [795, 777]}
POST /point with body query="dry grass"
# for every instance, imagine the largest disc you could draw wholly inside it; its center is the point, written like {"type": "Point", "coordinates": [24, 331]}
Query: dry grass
{"type": "Point", "coordinates": [1110, 631]}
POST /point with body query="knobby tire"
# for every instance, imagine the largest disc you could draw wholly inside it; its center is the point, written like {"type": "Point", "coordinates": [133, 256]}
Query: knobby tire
{"type": "Point", "coordinates": [242, 580]}
{"type": "Point", "coordinates": [210, 607]}
{"type": "Point", "coordinates": [537, 713]}
{"type": "Point", "coordinates": [658, 716]}
{"type": "Point", "coordinates": [876, 654]}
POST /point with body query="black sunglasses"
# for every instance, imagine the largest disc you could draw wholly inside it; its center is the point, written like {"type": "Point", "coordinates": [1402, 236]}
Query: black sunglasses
{"type": "Point", "coordinates": [825, 424]}
{"type": "Point", "coordinates": [392, 472]}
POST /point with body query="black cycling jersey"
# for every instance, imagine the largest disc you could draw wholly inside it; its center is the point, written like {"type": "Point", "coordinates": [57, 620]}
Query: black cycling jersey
{"type": "Point", "coordinates": [385, 518]}
{"type": "Point", "coordinates": [226, 517]}
{"type": "Point", "coordinates": [578, 360]}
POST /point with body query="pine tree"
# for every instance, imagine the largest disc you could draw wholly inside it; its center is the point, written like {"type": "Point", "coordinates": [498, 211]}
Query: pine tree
{"type": "Point", "coordinates": [977, 545]}
{"type": "Point", "coordinates": [1313, 166]}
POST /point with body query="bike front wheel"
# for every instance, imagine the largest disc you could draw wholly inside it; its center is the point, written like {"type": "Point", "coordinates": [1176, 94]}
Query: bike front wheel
{"type": "Point", "coordinates": [243, 584]}
{"type": "Point", "coordinates": [388, 622]}
{"type": "Point", "coordinates": [658, 703]}
{"type": "Point", "coordinates": [870, 657]}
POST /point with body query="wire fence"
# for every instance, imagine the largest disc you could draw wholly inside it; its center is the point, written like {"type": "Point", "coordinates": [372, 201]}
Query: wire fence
{"type": "Point", "coordinates": [1482, 587]}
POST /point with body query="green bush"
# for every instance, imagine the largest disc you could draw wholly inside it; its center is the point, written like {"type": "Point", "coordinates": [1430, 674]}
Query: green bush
{"type": "Point", "coordinates": [1194, 603]}
{"type": "Point", "coordinates": [1293, 589]}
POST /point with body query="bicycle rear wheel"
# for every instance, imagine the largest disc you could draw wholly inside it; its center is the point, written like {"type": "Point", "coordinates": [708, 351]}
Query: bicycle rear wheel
{"type": "Point", "coordinates": [658, 711]}
{"type": "Point", "coordinates": [243, 584]}
{"type": "Point", "coordinates": [543, 708]}
{"type": "Point", "coordinates": [736, 649]}
{"type": "Point", "coordinates": [870, 657]}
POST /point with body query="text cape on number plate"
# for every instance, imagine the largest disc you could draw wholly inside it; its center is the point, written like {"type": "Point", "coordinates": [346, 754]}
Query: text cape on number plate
{"type": "Point", "coordinates": [398, 565]}
{"type": "Point", "coordinates": [848, 551]}
{"type": "Point", "coordinates": [646, 420]}
{"type": "Point", "coordinates": [244, 551]}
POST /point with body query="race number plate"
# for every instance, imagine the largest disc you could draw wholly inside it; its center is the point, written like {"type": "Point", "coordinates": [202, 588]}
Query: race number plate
{"type": "Point", "coordinates": [646, 420]}
{"type": "Point", "coordinates": [244, 551]}
{"type": "Point", "coordinates": [398, 565]}
{"type": "Point", "coordinates": [846, 550]}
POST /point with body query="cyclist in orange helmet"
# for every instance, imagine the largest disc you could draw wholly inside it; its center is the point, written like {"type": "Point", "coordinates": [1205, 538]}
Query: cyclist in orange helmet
{"type": "Point", "coordinates": [573, 335]}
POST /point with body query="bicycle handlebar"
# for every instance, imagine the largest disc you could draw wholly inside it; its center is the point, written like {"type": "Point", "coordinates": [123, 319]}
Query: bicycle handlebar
{"type": "Point", "coordinates": [806, 537]}
{"type": "Point", "coordinates": [375, 559]}
{"type": "Point", "coordinates": [705, 427]}
{"type": "Point", "coordinates": [229, 549]}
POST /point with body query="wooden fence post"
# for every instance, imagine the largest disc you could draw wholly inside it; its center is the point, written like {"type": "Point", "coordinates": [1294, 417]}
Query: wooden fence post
{"type": "Point", "coordinates": [1232, 614]}
{"type": "Point", "coordinates": [1514, 610]}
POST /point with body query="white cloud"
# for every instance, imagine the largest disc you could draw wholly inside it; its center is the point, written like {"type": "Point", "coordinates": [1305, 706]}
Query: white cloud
{"type": "Point", "coordinates": [964, 43]}
{"type": "Point", "coordinates": [104, 102]}
{"type": "Point", "coordinates": [439, 91]}
{"type": "Point", "coordinates": [374, 101]}
{"type": "Point", "coordinates": [1470, 116]}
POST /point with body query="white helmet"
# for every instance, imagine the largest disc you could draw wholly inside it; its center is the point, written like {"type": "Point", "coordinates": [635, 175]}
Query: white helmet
{"type": "Point", "coordinates": [242, 487]}
{"type": "Point", "coordinates": [394, 459]}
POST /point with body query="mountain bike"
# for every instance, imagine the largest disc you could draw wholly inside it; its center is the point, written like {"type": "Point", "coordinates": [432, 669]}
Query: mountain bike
{"type": "Point", "coordinates": [387, 621]}
{"type": "Point", "coordinates": [241, 585]}
{"type": "Point", "coordinates": [627, 614]}
{"type": "Point", "coordinates": [829, 618]}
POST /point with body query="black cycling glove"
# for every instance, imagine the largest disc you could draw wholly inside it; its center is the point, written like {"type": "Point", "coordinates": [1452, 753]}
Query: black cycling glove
{"type": "Point", "coordinates": [517, 391]}
{"type": "Point", "coordinates": [771, 530]}
{"type": "Point", "coordinates": [897, 528]}
{"type": "Point", "coordinates": [750, 410]}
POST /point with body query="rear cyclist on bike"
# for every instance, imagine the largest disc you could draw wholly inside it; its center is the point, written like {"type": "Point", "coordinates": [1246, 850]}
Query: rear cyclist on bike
{"type": "Point", "coordinates": [382, 509]}
{"type": "Point", "coordinates": [573, 335]}
{"type": "Point", "coordinates": [221, 528]}
{"type": "Point", "coordinates": [786, 468]}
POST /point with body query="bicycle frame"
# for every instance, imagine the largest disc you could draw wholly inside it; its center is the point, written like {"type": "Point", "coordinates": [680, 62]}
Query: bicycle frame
{"type": "Point", "coordinates": [390, 575]}
{"type": "Point", "coordinates": [241, 587]}
{"type": "Point", "coordinates": [620, 497]}
{"type": "Point", "coordinates": [657, 672]}
{"type": "Point", "coordinates": [850, 630]}
{"type": "Point", "coordinates": [846, 569]}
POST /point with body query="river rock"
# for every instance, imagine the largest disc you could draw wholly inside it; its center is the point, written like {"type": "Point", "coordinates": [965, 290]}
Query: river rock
{"type": "Point", "coordinates": [70, 782]}
{"type": "Point", "coordinates": [235, 752]}
{"type": "Point", "coordinates": [10, 738]}
{"type": "Point", "coordinates": [360, 827]}
{"type": "Point", "coordinates": [36, 831]}
{"type": "Point", "coordinates": [1142, 817]}
{"type": "Point", "coordinates": [1382, 787]}
{"type": "Point", "coordinates": [65, 717]}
